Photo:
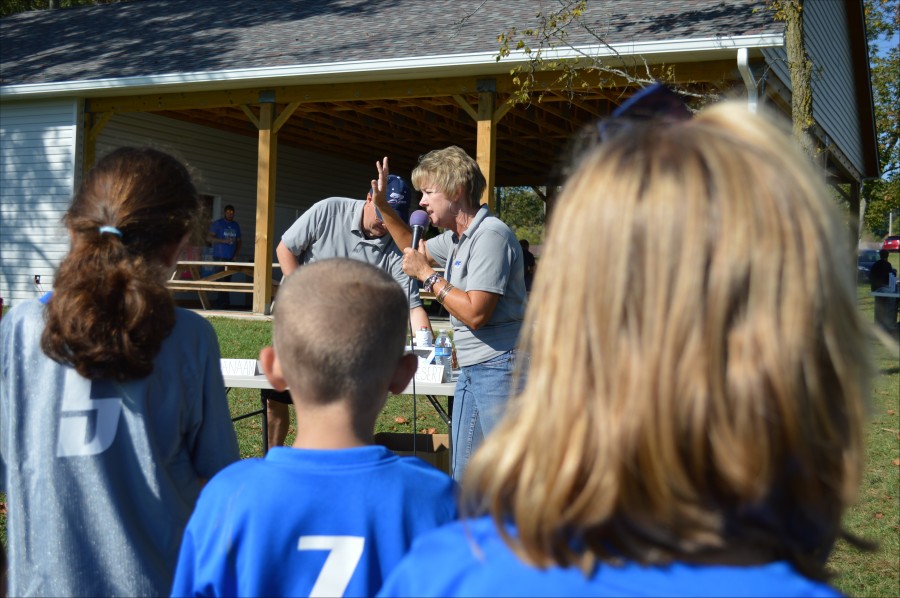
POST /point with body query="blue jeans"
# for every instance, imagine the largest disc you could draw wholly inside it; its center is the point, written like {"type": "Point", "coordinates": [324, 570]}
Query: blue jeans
{"type": "Point", "coordinates": [478, 404]}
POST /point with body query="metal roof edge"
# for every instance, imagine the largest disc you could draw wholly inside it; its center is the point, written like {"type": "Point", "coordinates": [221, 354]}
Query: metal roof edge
{"type": "Point", "coordinates": [381, 69]}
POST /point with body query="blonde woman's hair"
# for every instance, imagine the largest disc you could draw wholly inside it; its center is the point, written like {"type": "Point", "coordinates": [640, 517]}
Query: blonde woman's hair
{"type": "Point", "coordinates": [339, 329]}
{"type": "Point", "coordinates": [449, 170]}
{"type": "Point", "coordinates": [698, 366]}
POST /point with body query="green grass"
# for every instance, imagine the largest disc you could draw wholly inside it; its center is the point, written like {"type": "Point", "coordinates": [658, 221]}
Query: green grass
{"type": "Point", "coordinates": [876, 516]}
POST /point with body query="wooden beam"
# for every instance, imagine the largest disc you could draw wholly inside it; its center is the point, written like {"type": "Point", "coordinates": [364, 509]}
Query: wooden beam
{"type": "Point", "coordinates": [99, 123]}
{"type": "Point", "coordinates": [413, 88]}
{"type": "Point", "coordinates": [89, 150]}
{"type": "Point", "coordinates": [250, 115]}
{"type": "Point", "coordinates": [502, 110]}
{"type": "Point", "coordinates": [486, 152]}
{"type": "Point", "coordinates": [93, 125]}
{"type": "Point", "coordinates": [465, 106]}
{"type": "Point", "coordinates": [284, 116]}
{"type": "Point", "coordinates": [265, 209]}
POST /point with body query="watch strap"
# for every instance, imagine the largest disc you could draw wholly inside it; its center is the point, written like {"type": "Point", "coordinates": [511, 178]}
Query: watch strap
{"type": "Point", "coordinates": [430, 281]}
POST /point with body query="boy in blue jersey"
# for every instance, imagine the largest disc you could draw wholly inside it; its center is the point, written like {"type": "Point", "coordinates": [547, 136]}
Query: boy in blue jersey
{"type": "Point", "coordinates": [333, 514]}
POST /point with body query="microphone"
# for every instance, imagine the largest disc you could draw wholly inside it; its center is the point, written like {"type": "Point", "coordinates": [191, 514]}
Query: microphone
{"type": "Point", "coordinates": [418, 220]}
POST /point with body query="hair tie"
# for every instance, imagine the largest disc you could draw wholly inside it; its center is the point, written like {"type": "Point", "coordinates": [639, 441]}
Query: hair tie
{"type": "Point", "coordinates": [111, 230]}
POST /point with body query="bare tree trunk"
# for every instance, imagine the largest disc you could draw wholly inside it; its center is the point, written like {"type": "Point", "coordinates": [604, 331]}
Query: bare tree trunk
{"type": "Point", "coordinates": [801, 75]}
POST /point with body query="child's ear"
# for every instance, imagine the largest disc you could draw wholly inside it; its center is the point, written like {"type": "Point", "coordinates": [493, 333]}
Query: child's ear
{"type": "Point", "coordinates": [271, 367]}
{"type": "Point", "coordinates": [403, 373]}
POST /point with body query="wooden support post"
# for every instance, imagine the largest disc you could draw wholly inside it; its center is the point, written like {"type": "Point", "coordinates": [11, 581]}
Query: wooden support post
{"type": "Point", "coordinates": [265, 209]}
{"type": "Point", "coordinates": [93, 125]}
{"type": "Point", "coordinates": [857, 215]}
{"type": "Point", "coordinates": [89, 150]}
{"type": "Point", "coordinates": [486, 153]}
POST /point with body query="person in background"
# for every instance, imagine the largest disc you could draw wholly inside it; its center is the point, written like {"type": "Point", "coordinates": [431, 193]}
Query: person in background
{"type": "Point", "coordinates": [112, 405]}
{"type": "Point", "coordinates": [344, 227]}
{"type": "Point", "coordinates": [879, 280]}
{"type": "Point", "coordinates": [881, 271]}
{"type": "Point", "coordinates": [530, 263]}
{"type": "Point", "coordinates": [225, 236]}
{"type": "Point", "coordinates": [694, 428]}
{"type": "Point", "coordinates": [483, 287]}
{"type": "Point", "coordinates": [263, 527]}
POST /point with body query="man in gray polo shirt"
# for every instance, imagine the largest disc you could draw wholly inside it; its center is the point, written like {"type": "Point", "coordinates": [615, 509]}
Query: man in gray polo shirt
{"type": "Point", "coordinates": [349, 228]}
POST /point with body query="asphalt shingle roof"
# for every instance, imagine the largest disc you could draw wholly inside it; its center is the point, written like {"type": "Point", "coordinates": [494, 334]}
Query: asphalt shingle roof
{"type": "Point", "coordinates": [148, 37]}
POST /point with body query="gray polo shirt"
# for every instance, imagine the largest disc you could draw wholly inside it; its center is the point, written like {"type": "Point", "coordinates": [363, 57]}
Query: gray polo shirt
{"type": "Point", "coordinates": [486, 257]}
{"type": "Point", "coordinates": [333, 228]}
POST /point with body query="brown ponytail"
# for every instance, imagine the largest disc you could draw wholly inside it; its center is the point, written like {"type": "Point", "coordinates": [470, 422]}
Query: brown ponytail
{"type": "Point", "coordinates": [111, 310]}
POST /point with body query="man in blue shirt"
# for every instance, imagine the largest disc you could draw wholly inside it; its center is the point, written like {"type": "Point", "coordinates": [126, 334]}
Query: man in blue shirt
{"type": "Point", "coordinates": [225, 237]}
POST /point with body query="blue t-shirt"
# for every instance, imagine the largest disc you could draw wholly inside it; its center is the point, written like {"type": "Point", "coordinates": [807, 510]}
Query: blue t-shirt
{"type": "Point", "coordinates": [468, 558]}
{"type": "Point", "coordinates": [302, 522]}
{"type": "Point", "coordinates": [225, 229]}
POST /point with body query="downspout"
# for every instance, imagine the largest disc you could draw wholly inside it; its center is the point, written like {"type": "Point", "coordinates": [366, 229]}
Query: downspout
{"type": "Point", "coordinates": [750, 83]}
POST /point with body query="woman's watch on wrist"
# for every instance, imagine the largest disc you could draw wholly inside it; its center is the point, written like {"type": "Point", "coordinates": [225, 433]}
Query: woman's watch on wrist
{"type": "Point", "coordinates": [430, 281]}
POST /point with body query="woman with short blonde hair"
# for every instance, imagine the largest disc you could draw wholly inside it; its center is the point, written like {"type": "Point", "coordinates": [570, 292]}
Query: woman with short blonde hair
{"type": "Point", "coordinates": [482, 287]}
{"type": "Point", "coordinates": [692, 418]}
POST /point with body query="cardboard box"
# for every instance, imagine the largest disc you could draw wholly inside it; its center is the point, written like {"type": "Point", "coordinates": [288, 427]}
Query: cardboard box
{"type": "Point", "coordinates": [434, 449]}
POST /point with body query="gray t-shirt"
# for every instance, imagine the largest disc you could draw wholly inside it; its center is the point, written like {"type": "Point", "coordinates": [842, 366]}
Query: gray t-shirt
{"type": "Point", "coordinates": [486, 257]}
{"type": "Point", "coordinates": [101, 476]}
{"type": "Point", "coordinates": [333, 228]}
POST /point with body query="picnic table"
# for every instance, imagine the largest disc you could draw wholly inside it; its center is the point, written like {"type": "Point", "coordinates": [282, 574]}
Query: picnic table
{"type": "Point", "coordinates": [250, 377]}
{"type": "Point", "coordinates": [189, 276]}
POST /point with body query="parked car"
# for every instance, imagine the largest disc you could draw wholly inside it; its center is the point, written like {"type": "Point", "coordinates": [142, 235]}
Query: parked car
{"type": "Point", "coordinates": [865, 259]}
{"type": "Point", "coordinates": [891, 243]}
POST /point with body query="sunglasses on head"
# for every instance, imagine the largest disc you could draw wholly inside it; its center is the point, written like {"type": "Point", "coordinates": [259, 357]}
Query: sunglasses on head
{"type": "Point", "coordinates": [656, 103]}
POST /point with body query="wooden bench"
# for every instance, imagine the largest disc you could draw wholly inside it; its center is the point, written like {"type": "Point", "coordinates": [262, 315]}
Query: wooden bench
{"type": "Point", "coordinates": [213, 282]}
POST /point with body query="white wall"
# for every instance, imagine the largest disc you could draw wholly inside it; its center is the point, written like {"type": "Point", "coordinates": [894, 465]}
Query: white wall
{"type": "Point", "coordinates": [38, 159]}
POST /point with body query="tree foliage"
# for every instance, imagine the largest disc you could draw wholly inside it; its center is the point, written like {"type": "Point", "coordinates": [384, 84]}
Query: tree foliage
{"type": "Point", "coordinates": [883, 195]}
{"type": "Point", "coordinates": [583, 72]}
{"type": "Point", "coordinates": [523, 210]}
{"type": "Point", "coordinates": [9, 7]}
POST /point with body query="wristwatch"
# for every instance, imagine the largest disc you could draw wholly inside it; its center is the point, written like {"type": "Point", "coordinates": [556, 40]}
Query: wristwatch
{"type": "Point", "coordinates": [429, 282]}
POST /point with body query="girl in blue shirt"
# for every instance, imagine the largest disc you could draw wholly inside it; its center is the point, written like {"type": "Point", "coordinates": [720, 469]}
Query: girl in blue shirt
{"type": "Point", "coordinates": [692, 418]}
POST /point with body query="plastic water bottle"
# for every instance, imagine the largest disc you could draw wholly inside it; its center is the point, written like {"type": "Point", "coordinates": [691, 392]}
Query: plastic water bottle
{"type": "Point", "coordinates": [442, 350]}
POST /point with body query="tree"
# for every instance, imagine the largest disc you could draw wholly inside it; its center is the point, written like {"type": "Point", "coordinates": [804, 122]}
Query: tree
{"type": "Point", "coordinates": [556, 25]}
{"type": "Point", "coordinates": [587, 71]}
{"type": "Point", "coordinates": [9, 7]}
{"type": "Point", "coordinates": [523, 210]}
{"type": "Point", "coordinates": [800, 67]}
{"type": "Point", "coordinates": [883, 195]}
